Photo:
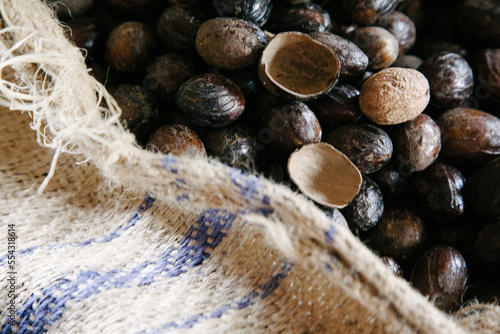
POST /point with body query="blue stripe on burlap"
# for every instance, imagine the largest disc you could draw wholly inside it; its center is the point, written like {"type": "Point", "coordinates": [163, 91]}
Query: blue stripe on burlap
{"type": "Point", "coordinates": [39, 313]}
{"type": "Point", "coordinates": [148, 202]}
{"type": "Point", "coordinates": [250, 299]}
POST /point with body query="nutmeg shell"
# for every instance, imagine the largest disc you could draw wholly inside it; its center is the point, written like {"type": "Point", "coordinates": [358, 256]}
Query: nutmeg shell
{"type": "Point", "coordinates": [230, 43]}
{"type": "Point", "coordinates": [211, 100]}
{"type": "Point", "coordinates": [296, 67]}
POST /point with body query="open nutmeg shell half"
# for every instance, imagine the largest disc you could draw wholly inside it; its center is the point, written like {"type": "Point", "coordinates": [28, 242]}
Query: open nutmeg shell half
{"type": "Point", "coordinates": [295, 66]}
{"type": "Point", "coordinates": [324, 174]}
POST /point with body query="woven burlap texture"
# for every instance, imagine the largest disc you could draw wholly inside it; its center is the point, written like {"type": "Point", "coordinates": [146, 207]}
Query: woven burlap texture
{"type": "Point", "coordinates": [346, 287]}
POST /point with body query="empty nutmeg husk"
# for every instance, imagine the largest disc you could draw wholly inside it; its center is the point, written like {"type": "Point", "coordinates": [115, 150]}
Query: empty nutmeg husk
{"type": "Point", "coordinates": [324, 174]}
{"type": "Point", "coordinates": [295, 66]}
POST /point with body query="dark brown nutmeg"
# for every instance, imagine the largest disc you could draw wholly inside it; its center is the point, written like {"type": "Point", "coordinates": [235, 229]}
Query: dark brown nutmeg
{"type": "Point", "coordinates": [178, 26]}
{"type": "Point", "coordinates": [233, 145]}
{"type": "Point", "coordinates": [392, 265]}
{"type": "Point", "coordinates": [440, 189]}
{"type": "Point", "coordinates": [289, 125]}
{"type": "Point", "coordinates": [139, 109]}
{"type": "Point", "coordinates": [129, 47]}
{"type": "Point", "coordinates": [211, 100]}
{"type": "Point", "coordinates": [365, 210]}
{"type": "Point", "coordinates": [484, 189]}
{"type": "Point", "coordinates": [177, 140]}
{"type": "Point", "coordinates": [400, 233]}
{"type": "Point", "coordinates": [368, 11]}
{"type": "Point", "coordinates": [295, 66]}
{"type": "Point", "coordinates": [469, 135]}
{"type": "Point", "coordinates": [255, 11]}
{"type": "Point", "coordinates": [304, 17]}
{"type": "Point", "coordinates": [368, 146]}
{"type": "Point", "coordinates": [166, 73]}
{"type": "Point", "coordinates": [486, 66]}
{"type": "Point", "coordinates": [441, 273]}
{"type": "Point", "coordinates": [352, 60]}
{"type": "Point", "coordinates": [450, 79]}
{"type": "Point", "coordinates": [230, 43]}
{"type": "Point", "coordinates": [379, 45]}
{"type": "Point", "coordinates": [417, 142]}
{"type": "Point", "coordinates": [402, 27]}
{"type": "Point", "coordinates": [340, 106]}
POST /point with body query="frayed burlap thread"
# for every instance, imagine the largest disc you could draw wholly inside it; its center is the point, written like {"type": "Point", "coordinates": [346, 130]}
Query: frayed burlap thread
{"type": "Point", "coordinates": [197, 246]}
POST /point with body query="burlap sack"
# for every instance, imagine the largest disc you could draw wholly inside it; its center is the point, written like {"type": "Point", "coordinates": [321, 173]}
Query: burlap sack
{"type": "Point", "coordinates": [113, 239]}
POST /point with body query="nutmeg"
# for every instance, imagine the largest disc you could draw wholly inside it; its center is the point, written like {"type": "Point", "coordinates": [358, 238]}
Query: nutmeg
{"type": "Point", "coordinates": [305, 17]}
{"type": "Point", "coordinates": [176, 139]}
{"type": "Point", "coordinates": [400, 233]}
{"type": "Point", "coordinates": [469, 135]}
{"type": "Point", "coordinates": [211, 100]}
{"type": "Point", "coordinates": [178, 26]}
{"type": "Point", "coordinates": [417, 142]}
{"type": "Point", "coordinates": [402, 27]}
{"type": "Point", "coordinates": [129, 47]}
{"type": "Point", "coordinates": [378, 44]}
{"type": "Point", "coordinates": [290, 124]}
{"type": "Point", "coordinates": [230, 43]}
{"type": "Point", "coordinates": [366, 208]}
{"type": "Point", "coordinates": [394, 95]}
{"type": "Point", "coordinates": [166, 73]}
{"type": "Point", "coordinates": [353, 61]}
{"type": "Point", "coordinates": [441, 273]}
{"type": "Point", "coordinates": [450, 79]}
{"type": "Point", "coordinates": [366, 145]}
{"type": "Point", "coordinates": [255, 11]}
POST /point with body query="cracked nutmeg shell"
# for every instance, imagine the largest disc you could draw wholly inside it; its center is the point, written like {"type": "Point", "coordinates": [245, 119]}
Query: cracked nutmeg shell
{"type": "Point", "coordinates": [295, 66]}
{"type": "Point", "coordinates": [324, 174]}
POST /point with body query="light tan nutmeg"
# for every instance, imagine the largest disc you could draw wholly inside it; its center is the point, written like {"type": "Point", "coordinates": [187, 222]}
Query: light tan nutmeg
{"type": "Point", "coordinates": [394, 95]}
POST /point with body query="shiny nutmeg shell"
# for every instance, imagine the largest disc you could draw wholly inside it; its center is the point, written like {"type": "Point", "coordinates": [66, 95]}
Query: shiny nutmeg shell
{"type": "Point", "coordinates": [255, 11]}
{"type": "Point", "coordinates": [211, 100]}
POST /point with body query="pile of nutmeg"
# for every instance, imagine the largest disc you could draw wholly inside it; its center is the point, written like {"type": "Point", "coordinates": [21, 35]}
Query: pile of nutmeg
{"type": "Point", "coordinates": [385, 110]}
